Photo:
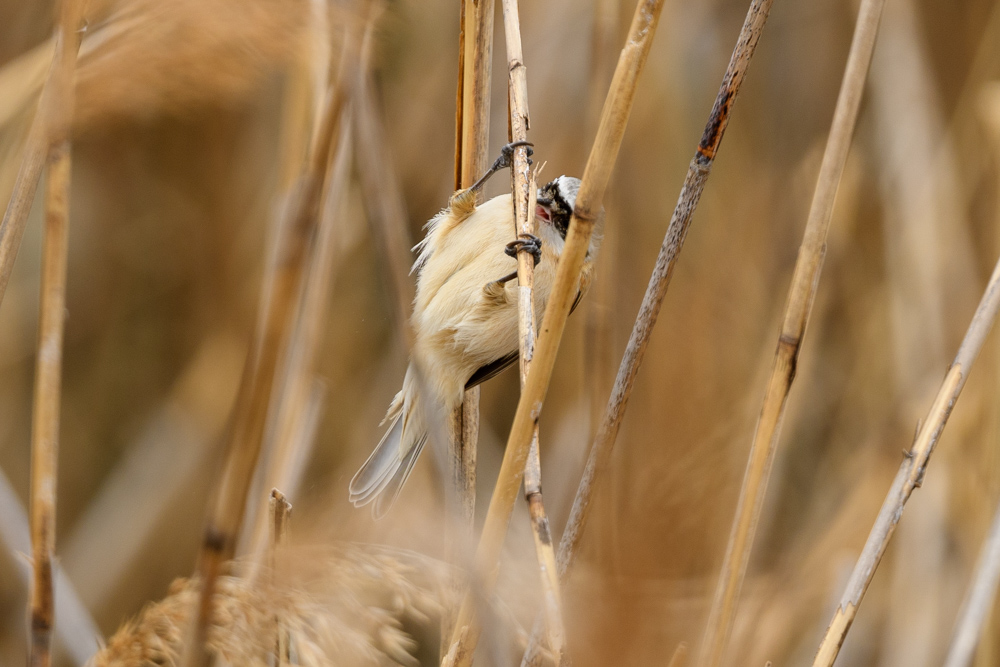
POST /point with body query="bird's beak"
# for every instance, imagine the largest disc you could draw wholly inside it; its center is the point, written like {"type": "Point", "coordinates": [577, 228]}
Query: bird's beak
{"type": "Point", "coordinates": [543, 213]}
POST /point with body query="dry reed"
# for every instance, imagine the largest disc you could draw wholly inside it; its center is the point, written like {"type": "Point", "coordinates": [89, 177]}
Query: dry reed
{"type": "Point", "coordinates": [76, 631]}
{"type": "Point", "coordinates": [341, 606]}
{"type": "Point", "coordinates": [694, 184]}
{"type": "Point", "coordinates": [802, 293]}
{"type": "Point", "coordinates": [911, 473]}
{"type": "Point", "coordinates": [475, 75]}
{"type": "Point", "coordinates": [523, 199]}
{"type": "Point", "coordinates": [586, 211]}
{"type": "Point", "coordinates": [57, 115]}
{"type": "Point", "coordinates": [281, 296]}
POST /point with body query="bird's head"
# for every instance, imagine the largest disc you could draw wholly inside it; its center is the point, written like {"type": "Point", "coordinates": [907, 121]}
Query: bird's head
{"type": "Point", "coordinates": [556, 200]}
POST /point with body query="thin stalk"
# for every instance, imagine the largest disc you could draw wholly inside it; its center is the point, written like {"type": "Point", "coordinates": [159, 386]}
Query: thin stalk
{"type": "Point", "coordinates": [472, 131]}
{"type": "Point", "coordinates": [58, 116]}
{"type": "Point", "coordinates": [476, 72]}
{"type": "Point", "coordinates": [911, 473]}
{"type": "Point", "coordinates": [523, 198]}
{"type": "Point", "coordinates": [270, 341]}
{"type": "Point", "coordinates": [283, 446]}
{"type": "Point", "coordinates": [297, 411]}
{"type": "Point", "coordinates": [38, 145]}
{"type": "Point", "coordinates": [76, 631]}
{"type": "Point", "coordinates": [979, 599]}
{"type": "Point", "coordinates": [588, 206]}
{"type": "Point", "coordinates": [673, 241]}
{"type": "Point", "coordinates": [279, 511]}
{"type": "Point", "coordinates": [802, 293]}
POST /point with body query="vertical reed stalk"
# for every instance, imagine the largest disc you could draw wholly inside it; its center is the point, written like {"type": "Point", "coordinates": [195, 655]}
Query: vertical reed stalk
{"type": "Point", "coordinates": [266, 349]}
{"type": "Point", "coordinates": [56, 116]}
{"type": "Point", "coordinates": [802, 293]}
{"type": "Point", "coordinates": [911, 473]}
{"type": "Point", "coordinates": [472, 132]}
{"type": "Point", "coordinates": [475, 74]}
{"type": "Point", "coordinates": [673, 241]}
{"type": "Point", "coordinates": [588, 206]}
{"type": "Point", "coordinates": [524, 192]}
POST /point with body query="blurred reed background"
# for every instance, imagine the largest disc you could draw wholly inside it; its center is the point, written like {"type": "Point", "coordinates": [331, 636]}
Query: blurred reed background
{"type": "Point", "coordinates": [191, 114]}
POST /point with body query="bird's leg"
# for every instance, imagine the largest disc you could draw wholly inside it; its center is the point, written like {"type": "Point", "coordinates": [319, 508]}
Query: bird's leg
{"type": "Point", "coordinates": [502, 162]}
{"type": "Point", "coordinates": [528, 242]}
{"type": "Point", "coordinates": [463, 202]}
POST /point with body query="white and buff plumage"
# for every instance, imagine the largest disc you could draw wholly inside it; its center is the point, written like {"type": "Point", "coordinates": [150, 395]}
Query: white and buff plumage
{"type": "Point", "coordinates": [464, 320]}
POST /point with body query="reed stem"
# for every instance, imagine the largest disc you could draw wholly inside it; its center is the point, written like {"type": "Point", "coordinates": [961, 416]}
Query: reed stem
{"type": "Point", "coordinates": [802, 293]}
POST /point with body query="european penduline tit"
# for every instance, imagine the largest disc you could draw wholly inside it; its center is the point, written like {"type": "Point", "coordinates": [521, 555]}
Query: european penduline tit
{"type": "Point", "coordinates": [465, 315]}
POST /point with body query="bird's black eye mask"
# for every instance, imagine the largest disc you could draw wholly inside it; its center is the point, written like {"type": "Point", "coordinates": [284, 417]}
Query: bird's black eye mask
{"type": "Point", "coordinates": [551, 197]}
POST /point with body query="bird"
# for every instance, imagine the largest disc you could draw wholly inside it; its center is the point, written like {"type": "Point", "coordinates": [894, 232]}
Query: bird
{"type": "Point", "coordinates": [465, 315]}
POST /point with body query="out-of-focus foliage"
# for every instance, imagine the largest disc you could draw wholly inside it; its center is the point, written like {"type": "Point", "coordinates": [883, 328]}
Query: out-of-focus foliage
{"type": "Point", "coordinates": [181, 162]}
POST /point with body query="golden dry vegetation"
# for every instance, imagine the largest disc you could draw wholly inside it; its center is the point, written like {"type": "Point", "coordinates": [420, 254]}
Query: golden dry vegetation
{"type": "Point", "coordinates": [191, 121]}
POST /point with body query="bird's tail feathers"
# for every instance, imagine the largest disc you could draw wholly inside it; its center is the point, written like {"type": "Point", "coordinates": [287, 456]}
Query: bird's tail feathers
{"type": "Point", "coordinates": [382, 476]}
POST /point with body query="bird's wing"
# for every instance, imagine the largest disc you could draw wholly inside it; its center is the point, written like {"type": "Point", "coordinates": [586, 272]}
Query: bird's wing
{"type": "Point", "coordinates": [494, 368]}
{"type": "Point", "coordinates": [491, 369]}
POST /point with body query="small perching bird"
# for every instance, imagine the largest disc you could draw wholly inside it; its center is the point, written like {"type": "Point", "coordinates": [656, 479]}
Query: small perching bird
{"type": "Point", "coordinates": [465, 316]}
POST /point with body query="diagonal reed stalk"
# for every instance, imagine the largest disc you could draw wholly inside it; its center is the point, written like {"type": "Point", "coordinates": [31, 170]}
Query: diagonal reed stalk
{"type": "Point", "coordinates": [911, 473]}
{"type": "Point", "coordinates": [53, 124]}
{"type": "Point", "coordinates": [802, 293]}
{"type": "Point", "coordinates": [266, 349]}
{"type": "Point", "coordinates": [602, 158]}
{"type": "Point", "coordinates": [673, 241]}
{"type": "Point", "coordinates": [523, 198]}
{"type": "Point", "coordinates": [288, 438]}
{"type": "Point", "coordinates": [979, 600]}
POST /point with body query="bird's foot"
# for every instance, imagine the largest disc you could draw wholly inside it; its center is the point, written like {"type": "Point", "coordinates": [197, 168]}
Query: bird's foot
{"type": "Point", "coordinates": [507, 154]}
{"type": "Point", "coordinates": [495, 288]}
{"type": "Point", "coordinates": [528, 242]}
{"type": "Point", "coordinates": [502, 162]}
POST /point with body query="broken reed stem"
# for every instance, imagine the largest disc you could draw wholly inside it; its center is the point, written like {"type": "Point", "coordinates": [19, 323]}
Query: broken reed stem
{"type": "Point", "coordinates": [802, 293]}
{"type": "Point", "coordinates": [523, 199]}
{"type": "Point", "coordinates": [979, 600]}
{"type": "Point", "coordinates": [270, 339]}
{"type": "Point", "coordinates": [279, 511]}
{"type": "Point", "coordinates": [911, 472]}
{"type": "Point", "coordinates": [588, 206]}
{"type": "Point", "coordinates": [57, 117]}
{"type": "Point", "coordinates": [673, 241]}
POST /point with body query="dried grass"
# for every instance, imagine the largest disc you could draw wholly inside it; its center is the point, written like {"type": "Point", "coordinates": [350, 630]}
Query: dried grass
{"type": "Point", "coordinates": [342, 606]}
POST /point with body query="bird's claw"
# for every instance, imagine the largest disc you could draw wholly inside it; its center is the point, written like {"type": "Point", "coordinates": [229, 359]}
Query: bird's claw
{"type": "Point", "coordinates": [507, 154]}
{"type": "Point", "coordinates": [528, 242]}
